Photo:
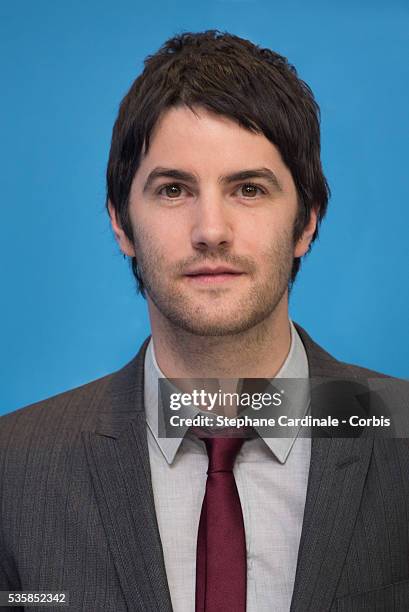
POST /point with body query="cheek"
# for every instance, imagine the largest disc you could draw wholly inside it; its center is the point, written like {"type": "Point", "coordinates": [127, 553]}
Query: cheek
{"type": "Point", "coordinates": [162, 237]}
{"type": "Point", "coordinates": [172, 233]}
{"type": "Point", "coordinates": [258, 234]}
{"type": "Point", "coordinates": [267, 242]}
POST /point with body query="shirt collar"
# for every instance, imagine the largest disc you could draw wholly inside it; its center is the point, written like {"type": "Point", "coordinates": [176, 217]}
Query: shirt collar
{"type": "Point", "coordinates": [295, 366]}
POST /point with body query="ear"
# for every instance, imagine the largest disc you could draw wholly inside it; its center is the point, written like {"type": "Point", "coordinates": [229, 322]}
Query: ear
{"type": "Point", "coordinates": [303, 243]}
{"type": "Point", "coordinates": [123, 241]}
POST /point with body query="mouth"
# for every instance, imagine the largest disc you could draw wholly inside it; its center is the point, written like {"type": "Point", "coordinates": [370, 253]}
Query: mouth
{"type": "Point", "coordinates": [206, 275]}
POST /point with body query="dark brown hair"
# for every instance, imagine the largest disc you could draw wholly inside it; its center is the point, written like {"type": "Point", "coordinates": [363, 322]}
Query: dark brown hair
{"type": "Point", "coordinates": [230, 76]}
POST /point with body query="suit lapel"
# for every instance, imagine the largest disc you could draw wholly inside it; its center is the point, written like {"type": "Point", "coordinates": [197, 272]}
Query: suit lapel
{"type": "Point", "coordinates": [337, 474]}
{"type": "Point", "coordinates": [118, 459]}
{"type": "Point", "coordinates": [336, 479]}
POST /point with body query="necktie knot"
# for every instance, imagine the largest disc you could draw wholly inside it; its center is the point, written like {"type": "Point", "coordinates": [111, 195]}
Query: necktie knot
{"type": "Point", "coordinates": [222, 453]}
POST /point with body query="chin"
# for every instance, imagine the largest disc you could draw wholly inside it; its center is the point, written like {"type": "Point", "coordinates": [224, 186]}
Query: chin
{"type": "Point", "coordinates": [207, 326]}
{"type": "Point", "coordinates": [219, 316]}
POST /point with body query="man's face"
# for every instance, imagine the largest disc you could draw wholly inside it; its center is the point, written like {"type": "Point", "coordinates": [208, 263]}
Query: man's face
{"type": "Point", "coordinates": [212, 207]}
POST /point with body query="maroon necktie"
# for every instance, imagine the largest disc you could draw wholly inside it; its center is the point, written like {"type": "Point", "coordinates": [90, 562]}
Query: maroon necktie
{"type": "Point", "coordinates": [221, 570]}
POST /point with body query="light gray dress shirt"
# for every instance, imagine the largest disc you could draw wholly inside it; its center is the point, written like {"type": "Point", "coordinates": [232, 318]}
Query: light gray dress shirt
{"type": "Point", "coordinates": [271, 476]}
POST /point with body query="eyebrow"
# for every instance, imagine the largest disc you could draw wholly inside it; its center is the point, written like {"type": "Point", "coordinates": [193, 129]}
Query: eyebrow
{"type": "Point", "coordinates": [242, 175]}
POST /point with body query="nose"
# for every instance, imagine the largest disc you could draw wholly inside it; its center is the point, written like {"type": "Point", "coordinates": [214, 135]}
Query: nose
{"type": "Point", "coordinates": [211, 227]}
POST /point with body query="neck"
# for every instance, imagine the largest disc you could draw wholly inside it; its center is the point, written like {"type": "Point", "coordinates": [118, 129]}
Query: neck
{"type": "Point", "coordinates": [258, 352]}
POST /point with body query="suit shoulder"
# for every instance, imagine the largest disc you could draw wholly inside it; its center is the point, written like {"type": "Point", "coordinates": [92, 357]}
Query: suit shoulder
{"type": "Point", "coordinates": [62, 417]}
{"type": "Point", "coordinates": [72, 406]}
{"type": "Point", "coordinates": [358, 371]}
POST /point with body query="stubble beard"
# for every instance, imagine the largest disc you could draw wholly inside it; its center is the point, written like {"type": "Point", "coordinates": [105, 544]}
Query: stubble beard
{"type": "Point", "coordinates": [227, 316]}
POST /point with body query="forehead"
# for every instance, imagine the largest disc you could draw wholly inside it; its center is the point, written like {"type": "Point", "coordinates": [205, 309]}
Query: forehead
{"type": "Point", "coordinates": [206, 142]}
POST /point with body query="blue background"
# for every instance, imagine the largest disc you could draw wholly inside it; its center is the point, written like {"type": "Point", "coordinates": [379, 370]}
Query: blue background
{"type": "Point", "coordinates": [69, 312]}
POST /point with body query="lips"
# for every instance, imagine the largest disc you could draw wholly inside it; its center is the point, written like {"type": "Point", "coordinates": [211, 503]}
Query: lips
{"type": "Point", "coordinates": [207, 276]}
{"type": "Point", "coordinates": [209, 271]}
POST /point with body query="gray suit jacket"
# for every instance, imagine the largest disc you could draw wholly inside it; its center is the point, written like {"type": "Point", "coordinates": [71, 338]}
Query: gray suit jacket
{"type": "Point", "coordinates": [77, 510]}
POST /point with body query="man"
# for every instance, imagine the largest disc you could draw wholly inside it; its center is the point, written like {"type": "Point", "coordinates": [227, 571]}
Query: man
{"type": "Point", "coordinates": [215, 192]}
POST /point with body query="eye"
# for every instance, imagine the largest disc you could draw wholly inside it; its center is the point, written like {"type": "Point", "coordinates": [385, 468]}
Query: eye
{"type": "Point", "coordinates": [248, 190]}
{"type": "Point", "coordinates": [171, 191]}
